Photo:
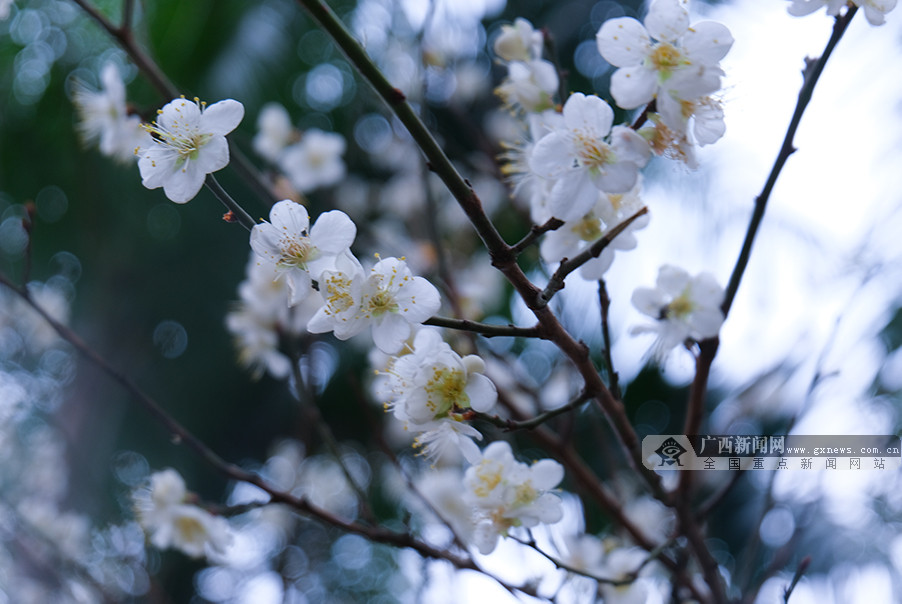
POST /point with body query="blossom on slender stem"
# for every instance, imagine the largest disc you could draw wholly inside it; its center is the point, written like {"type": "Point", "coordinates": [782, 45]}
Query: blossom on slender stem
{"type": "Point", "coordinates": [104, 117]}
{"type": "Point", "coordinates": [529, 86]}
{"type": "Point", "coordinates": [188, 142]}
{"type": "Point", "coordinates": [507, 493]}
{"type": "Point", "coordinates": [299, 252]}
{"type": "Point", "coordinates": [665, 54]}
{"type": "Point", "coordinates": [580, 159]}
{"type": "Point", "coordinates": [388, 297]}
{"type": "Point", "coordinates": [685, 307]}
{"type": "Point", "coordinates": [314, 161]}
{"type": "Point", "coordinates": [274, 132]}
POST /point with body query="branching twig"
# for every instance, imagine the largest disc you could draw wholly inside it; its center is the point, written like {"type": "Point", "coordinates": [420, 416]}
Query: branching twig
{"type": "Point", "coordinates": [535, 232]}
{"type": "Point", "coordinates": [568, 265]}
{"type": "Point", "coordinates": [231, 205]}
{"type": "Point", "coordinates": [604, 302]}
{"type": "Point", "coordinates": [530, 424]}
{"type": "Point", "coordinates": [803, 566]}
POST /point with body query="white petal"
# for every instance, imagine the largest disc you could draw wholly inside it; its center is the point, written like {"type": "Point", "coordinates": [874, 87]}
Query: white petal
{"type": "Point", "coordinates": [213, 156]}
{"type": "Point", "coordinates": [588, 114]}
{"type": "Point", "coordinates": [551, 156]}
{"type": "Point", "coordinates": [572, 196]}
{"type": "Point", "coordinates": [265, 241]}
{"type": "Point", "coordinates": [419, 300]}
{"type": "Point", "coordinates": [667, 20]}
{"type": "Point", "coordinates": [633, 87]}
{"type": "Point", "coordinates": [333, 232]}
{"type": "Point", "coordinates": [707, 42]}
{"type": "Point", "coordinates": [623, 42]}
{"type": "Point", "coordinates": [672, 280]}
{"type": "Point", "coordinates": [482, 393]}
{"type": "Point", "coordinates": [289, 217]}
{"type": "Point", "coordinates": [390, 333]}
{"type": "Point", "coordinates": [185, 183]}
{"type": "Point", "coordinates": [222, 117]}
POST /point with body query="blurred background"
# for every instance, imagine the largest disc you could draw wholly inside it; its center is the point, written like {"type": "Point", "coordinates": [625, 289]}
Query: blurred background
{"type": "Point", "coordinates": [812, 346]}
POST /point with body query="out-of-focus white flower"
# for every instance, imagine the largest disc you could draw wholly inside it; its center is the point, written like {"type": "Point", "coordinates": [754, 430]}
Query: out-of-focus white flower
{"type": "Point", "coordinates": [518, 42]}
{"type": "Point", "coordinates": [69, 531]}
{"type": "Point", "coordinates": [388, 297]}
{"type": "Point", "coordinates": [506, 494]}
{"type": "Point", "coordinates": [685, 307]}
{"type": "Point", "coordinates": [315, 161]}
{"type": "Point", "coordinates": [529, 86]}
{"type": "Point", "coordinates": [874, 10]}
{"type": "Point", "coordinates": [103, 116]}
{"type": "Point", "coordinates": [529, 186]}
{"type": "Point", "coordinates": [5, 8]}
{"type": "Point", "coordinates": [301, 255]}
{"type": "Point", "coordinates": [274, 132]}
{"type": "Point", "coordinates": [441, 488]}
{"type": "Point", "coordinates": [581, 161]}
{"type": "Point", "coordinates": [575, 236]}
{"type": "Point", "coordinates": [170, 522]}
{"type": "Point", "coordinates": [664, 55]}
{"type": "Point", "coordinates": [620, 564]}
{"type": "Point", "coordinates": [188, 142]}
{"type": "Point", "coordinates": [263, 316]}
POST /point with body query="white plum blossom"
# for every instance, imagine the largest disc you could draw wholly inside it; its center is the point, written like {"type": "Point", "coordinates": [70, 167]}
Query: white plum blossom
{"type": "Point", "coordinates": [314, 161]}
{"type": "Point", "coordinates": [388, 297]}
{"type": "Point", "coordinates": [188, 142]}
{"type": "Point", "coordinates": [431, 388]}
{"type": "Point", "coordinates": [529, 85]}
{"type": "Point", "coordinates": [104, 117]}
{"type": "Point", "coordinates": [874, 10]}
{"type": "Point", "coordinates": [574, 236]}
{"type": "Point", "coordinates": [665, 54]}
{"type": "Point", "coordinates": [171, 522]}
{"type": "Point", "coordinates": [518, 42]}
{"type": "Point", "coordinates": [507, 494]}
{"type": "Point", "coordinates": [5, 8]}
{"type": "Point", "coordinates": [274, 132]}
{"type": "Point", "coordinates": [528, 186]}
{"type": "Point", "coordinates": [685, 307]}
{"type": "Point", "coordinates": [580, 159]}
{"type": "Point", "coordinates": [300, 252]}
{"type": "Point", "coordinates": [620, 564]}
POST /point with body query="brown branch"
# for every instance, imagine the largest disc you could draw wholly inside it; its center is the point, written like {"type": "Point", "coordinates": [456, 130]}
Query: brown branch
{"type": "Point", "coordinates": [535, 232]}
{"type": "Point", "coordinates": [486, 329]}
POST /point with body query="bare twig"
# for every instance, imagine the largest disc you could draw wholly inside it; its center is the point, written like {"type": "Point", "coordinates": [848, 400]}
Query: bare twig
{"type": "Point", "coordinates": [535, 232]}
{"type": "Point", "coordinates": [486, 329]}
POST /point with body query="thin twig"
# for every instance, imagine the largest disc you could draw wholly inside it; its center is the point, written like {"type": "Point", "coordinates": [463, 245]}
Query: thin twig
{"type": "Point", "coordinates": [803, 566]}
{"type": "Point", "coordinates": [568, 265]}
{"type": "Point", "coordinates": [530, 424]}
{"type": "Point", "coordinates": [486, 329]}
{"type": "Point", "coordinates": [231, 205]}
{"type": "Point", "coordinates": [535, 232]}
{"type": "Point", "coordinates": [604, 302]}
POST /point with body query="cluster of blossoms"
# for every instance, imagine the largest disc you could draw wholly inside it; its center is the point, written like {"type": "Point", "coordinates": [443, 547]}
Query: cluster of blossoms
{"type": "Point", "coordinates": [674, 65]}
{"type": "Point", "coordinates": [170, 521]}
{"type": "Point", "coordinates": [309, 160]}
{"type": "Point", "coordinates": [874, 10]}
{"type": "Point", "coordinates": [531, 82]}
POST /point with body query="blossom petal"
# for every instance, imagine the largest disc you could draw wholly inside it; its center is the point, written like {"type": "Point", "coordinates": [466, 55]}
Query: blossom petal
{"type": "Point", "coordinates": [290, 217]}
{"type": "Point", "coordinates": [481, 391]}
{"type": "Point", "coordinates": [333, 232]}
{"type": "Point", "coordinates": [213, 156]}
{"type": "Point", "coordinates": [633, 87]}
{"type": "Point", "coordinates": [667, 20]}
{"type": "Point", "coordinates": [551, 156]}
{"type": "Point", "coordinates": [222, 117]}
{"type": "Point", "coordinates": [184, 184]}
{"type": "Point", "coordinates": [623, 42]}
{"type": "Point", "coordinates": [588, 114]}
{"type": "Point", "coordinates": [707, 42]}
{"type": "Point", "coordinates": [390, 333]}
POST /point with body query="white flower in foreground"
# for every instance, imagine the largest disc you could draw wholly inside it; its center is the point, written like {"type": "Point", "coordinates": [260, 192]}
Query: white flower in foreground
{"type": "Point", "coordinates": [665, 54]}
{"type": "Point", "coordinates": [274, 132]}
{"type": "Point", "coordinates": [170, 522]}
{"type": "Point", "coordinates": [874, 10]}
{"type": "Point", "coordinates": [518, 42]}
{"type": "Point", "coordinates": [104, 118]}
{"type": "Point", "coordinates": [685, 307]}
{"type": "Point", "coordinates": [315, 161]}
{"type": "Point", "coordinates": [580, 159]}
{"type": "Point", "coordinates": [508, 494]}
{"type": "Point", "coordinates": [302, 253]}
{"type": "Point", "coordinates": [188, 143]}
{"type": "Point", "coordinates": [388, 297]}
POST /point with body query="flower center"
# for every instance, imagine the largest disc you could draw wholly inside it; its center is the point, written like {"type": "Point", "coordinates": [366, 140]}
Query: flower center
{"type": "Point", "coordinates": [588, 229]}
{"type": "Point", "coordinates": [297, 252]}
{"type": "Point", "coordinates": [180, 135]}
{"type": "Point", "coordinates": [679, 308]}
{"type": "Point", "coordinates": [339, 297]}
{"type": "Point", "coordinates": [191, 529]}
{"type": "Point", "coordinates": [446, 390]}
{"type": "Point", "coordinates": [381, 302]}
{"type": "Point", "coordinates": [665, 58]}
{"type": "Point", "coordinates": [593, 153]}
{"type": "Point", "coordinates": [488, 480]}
